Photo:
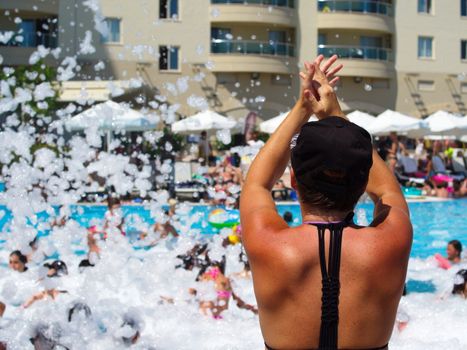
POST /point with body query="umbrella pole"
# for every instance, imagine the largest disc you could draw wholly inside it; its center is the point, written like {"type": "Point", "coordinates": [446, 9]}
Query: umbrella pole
{"type": "Point", "coordinates": [109, 139]}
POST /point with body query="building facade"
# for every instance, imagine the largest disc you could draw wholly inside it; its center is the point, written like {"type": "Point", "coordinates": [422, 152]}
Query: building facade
{"type": "Point", "coordinates": [243, 56]}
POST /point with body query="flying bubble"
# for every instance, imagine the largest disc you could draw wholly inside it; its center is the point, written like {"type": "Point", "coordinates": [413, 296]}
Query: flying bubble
{"type": "Point", "coordinates": [224, 136]}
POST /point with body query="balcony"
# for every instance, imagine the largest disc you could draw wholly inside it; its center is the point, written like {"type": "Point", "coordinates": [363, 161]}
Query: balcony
{"type": "Point", "coordinates": [277, 3]}
{"type": "Point", "coordinates": [344, 14]}
{"type": "Point", "coordinates": [359, 53]}
{"type": "Point", "coordinates": [48, 40]}
{"type": "Point", "coordinates": [277, 12]}
{"type": "Point", "coordinates": [370, 7]}
{"type": "Point", "coordinates": [376, 62]}
{"type": "Point", "coordinates": [245, 47]}
{"type": "Point", "coordinates": [251, 56]}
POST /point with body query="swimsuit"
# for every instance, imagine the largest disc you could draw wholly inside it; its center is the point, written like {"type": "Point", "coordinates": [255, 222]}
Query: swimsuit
{"type": "Point", "coordinates": [223, 294]}
{"type": "Point", "coordinates": [330, 281]}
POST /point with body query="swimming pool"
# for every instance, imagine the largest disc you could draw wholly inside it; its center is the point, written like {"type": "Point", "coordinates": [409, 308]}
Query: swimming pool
{"type": "Point", "coordinates": [434, 223]}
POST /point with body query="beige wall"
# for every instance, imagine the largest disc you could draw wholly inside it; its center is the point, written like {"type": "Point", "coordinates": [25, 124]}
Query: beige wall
{"type": "Point", "coordinates": [445, 25]}
{"type": "Point", "coordinates": [447, 28]}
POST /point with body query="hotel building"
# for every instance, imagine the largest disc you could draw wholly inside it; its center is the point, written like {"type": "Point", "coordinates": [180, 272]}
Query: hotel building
{"type": "Point", "coordinates": [243, 56]}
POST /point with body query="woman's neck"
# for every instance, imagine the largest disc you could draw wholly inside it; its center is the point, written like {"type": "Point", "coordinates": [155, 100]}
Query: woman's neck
{"type": "Point", "coordinates": [319, 216]}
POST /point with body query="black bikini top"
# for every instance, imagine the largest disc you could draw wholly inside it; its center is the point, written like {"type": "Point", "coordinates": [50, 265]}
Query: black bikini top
{"type": "Point", "coordinates": [330, 279]}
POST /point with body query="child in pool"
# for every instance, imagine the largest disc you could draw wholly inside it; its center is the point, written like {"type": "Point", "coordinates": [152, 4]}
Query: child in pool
{"type": "Point", "coordinates": [453, 251]}
{"type": "Point", "coordinates": [224, 291]}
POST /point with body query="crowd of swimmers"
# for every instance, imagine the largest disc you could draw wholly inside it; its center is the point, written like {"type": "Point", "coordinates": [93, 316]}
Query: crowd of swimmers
{"type": "Point", "coordinates": [197, 259]}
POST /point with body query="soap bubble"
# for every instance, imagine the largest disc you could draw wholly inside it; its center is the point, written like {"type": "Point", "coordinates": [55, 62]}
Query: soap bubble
{"type": "Point", "coordinates": [224, 136]}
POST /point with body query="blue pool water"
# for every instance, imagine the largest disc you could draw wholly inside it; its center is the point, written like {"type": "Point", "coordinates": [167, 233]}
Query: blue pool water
{"type": "Point", "coordinates": [434, 223]}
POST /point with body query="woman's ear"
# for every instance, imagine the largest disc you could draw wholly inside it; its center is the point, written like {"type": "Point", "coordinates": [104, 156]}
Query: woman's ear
{"type": "Point", "coordinates": [293, 180]}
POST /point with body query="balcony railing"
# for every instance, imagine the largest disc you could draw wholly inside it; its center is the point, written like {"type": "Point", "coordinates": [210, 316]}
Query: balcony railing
{"type": "Point", "coordinates": [251, 48]}
{"type": "Point", "coordinates": [376, 7]}
{"type": "Point", "coordinates": [278, 3]}
{"type": "Point", "coordinates": [359, 53]}
{"type": "Point", "coordinates": [32, 40]}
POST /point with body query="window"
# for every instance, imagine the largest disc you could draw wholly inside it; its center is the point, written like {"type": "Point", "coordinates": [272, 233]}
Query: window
{"type": "Point", "coordinates": [28, 32]}
{"type": "Point", "coordinates": [168, 9]}
{"type": "Point", "coordinates": [425, 47]}
{"type": "Point", "coordinates": [463, 8]}
{"type": "Point", "coordinates": [34, 32]}
{"type": "Point", "coordinates": [464, 88]}
{"type": "Point", "coordinates": [168, 58]}
{"type": "Point", "coordinates": [424, 6]}
{"type": "Point", "coordinates": [426, 85]}
{"type": "Point", "coordinates": [113, 31]}
{"type": "Point", "coordinates": [463, 49]}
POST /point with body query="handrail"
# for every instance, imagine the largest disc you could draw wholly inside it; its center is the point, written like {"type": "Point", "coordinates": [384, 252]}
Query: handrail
{"type": "Point", "coordinates": [249, 47]}
{"type": "Point", "coordinates": [376, 7]}
{"type": "Point", "coordinates": [277, 3]}
{"type": "Point", "coordinates": [357, 52]}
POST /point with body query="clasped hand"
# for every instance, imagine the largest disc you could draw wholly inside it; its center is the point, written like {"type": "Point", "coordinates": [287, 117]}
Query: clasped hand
{"type": "Point", "coordinates": [317, 88]}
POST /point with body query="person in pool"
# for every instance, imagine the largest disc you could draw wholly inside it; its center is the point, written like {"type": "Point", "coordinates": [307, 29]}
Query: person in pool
{"type": "Point", "coordinates": [18, 261]}
{"type": "Point", "coordinates": [454, 251]}
{"type": "Point", "coordinates": [288, 217]}
{"type": "Point", "coordinates": [328, 262]}
{"type": "Point", "coordinates": [55, 269]}
{"type": "Point", "coordinates": [114, 219]}
{"type": "Point", "coordinates": [223, 286]}
{"type": "Point", "coordinates": [460, 283]}
{"type": "Point", "coordinates": [2, 309]}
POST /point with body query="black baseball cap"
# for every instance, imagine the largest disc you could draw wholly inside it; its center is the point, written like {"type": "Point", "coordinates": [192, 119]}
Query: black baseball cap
{"type": "Point", "coordinates": [333, 156]}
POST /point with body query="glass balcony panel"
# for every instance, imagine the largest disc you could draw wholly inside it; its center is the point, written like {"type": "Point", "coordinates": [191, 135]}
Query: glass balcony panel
{"type": "Point", "coordinates": [278, 3]}
{"type": "Point", "coordinates": [376, 7]}
{"type": "Point", "coordinates": [361, 53]}
{"type": "Point", "coordinates": [251, 47]}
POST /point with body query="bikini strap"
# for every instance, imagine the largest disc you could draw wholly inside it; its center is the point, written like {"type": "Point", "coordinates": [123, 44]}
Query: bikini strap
{"type": "Point", "coordinates": [330, 279]}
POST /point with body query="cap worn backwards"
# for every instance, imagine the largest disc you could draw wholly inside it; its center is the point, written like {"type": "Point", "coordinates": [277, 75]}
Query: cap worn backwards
{"type": "Point", "coordinates": [332, 156]}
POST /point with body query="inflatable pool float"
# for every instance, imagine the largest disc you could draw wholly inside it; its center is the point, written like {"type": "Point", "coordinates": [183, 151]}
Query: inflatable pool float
{"type": "Point", "coordinates": [442, 262]}
{"type": "Point", "coordinates": [219, 218]}
{"type": "Point", "coordinates": [413, 193]}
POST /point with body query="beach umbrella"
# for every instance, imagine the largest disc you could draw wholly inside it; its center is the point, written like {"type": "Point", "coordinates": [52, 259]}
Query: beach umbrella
{"type": "Point", "coordinates": [446, 124]}
{"type": "Point", "coordinates": [270, 125]}
{"type": "Point", "coordinates": [391, 121]}
{"type": "Point", "coordinates": [362, 119]}
{"type": "Point", "coordinates": [111, 116]}
{"type": "Point", "coordinates": [203, 121]}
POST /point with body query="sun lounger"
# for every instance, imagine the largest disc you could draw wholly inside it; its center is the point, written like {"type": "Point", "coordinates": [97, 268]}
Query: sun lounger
{"type": "Point", "coordinates": [440, 169]}
{"type": "Point", "coordinates": [458, 165]}
{"type": "Point", "coordinates": [410, 174]}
